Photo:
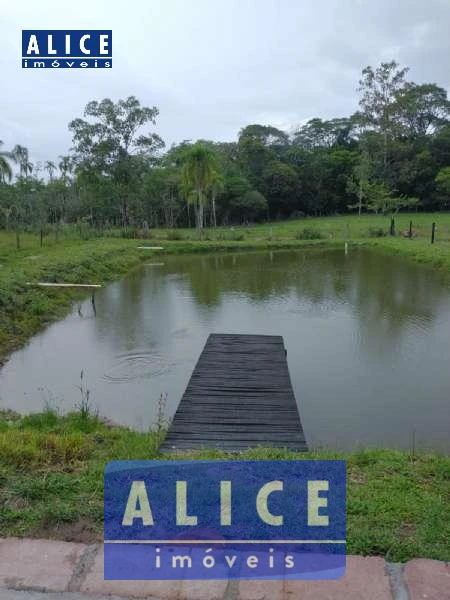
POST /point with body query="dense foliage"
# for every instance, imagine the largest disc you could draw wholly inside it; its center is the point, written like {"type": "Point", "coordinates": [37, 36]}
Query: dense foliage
{"type": "Point", "coordinates": [393, 153]}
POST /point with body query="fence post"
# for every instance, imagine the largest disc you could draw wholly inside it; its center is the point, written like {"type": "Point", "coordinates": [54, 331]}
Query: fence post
{"type": "Point", "coordinates": [433, 232]}
{"type": "Point", "coordinates": [93, 303]}
{"type": "Point", "coordinates": [410, 230]}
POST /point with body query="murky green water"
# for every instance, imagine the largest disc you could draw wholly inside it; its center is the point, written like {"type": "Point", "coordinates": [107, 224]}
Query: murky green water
{"type": "Point", "coordinates": [367, 335]}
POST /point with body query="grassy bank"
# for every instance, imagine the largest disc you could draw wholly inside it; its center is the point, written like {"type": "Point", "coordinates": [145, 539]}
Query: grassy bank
{"type": "Point", "coordinates": [51, 485]}
{"type": "Point", "coordinates": [24, 309]}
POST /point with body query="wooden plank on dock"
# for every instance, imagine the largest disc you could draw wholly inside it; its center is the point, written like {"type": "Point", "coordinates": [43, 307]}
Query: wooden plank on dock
{"type": "Point", "coordinates": [239, 396]}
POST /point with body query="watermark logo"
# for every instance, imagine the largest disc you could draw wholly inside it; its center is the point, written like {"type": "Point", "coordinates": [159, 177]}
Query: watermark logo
{"type": "Point", "coordinates": [225, 519]}
{"type": "Point", "coordinates": [67, 49]}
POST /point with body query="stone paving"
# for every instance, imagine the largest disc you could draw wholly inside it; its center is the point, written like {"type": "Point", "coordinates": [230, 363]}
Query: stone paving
{"type": "Point", "coordinates": [45, 569]}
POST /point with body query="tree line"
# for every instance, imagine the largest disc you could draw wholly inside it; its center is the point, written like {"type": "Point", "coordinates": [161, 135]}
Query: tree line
{"type": "Point", "coordinates": [393, 153]}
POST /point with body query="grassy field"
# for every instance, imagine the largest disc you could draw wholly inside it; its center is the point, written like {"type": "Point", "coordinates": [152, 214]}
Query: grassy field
{"type": "Point", "coordinates": [51, 485]}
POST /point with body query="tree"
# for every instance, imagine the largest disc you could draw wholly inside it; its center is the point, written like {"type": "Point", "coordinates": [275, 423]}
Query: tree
{"type": "Point", "coordinates": [252, 206]}
{"type": "Point", "coordinates": [440, 146]}
{"type": "Point", "coordinates": [379, 90]}
{"type": "Point", "coordinates": [324, 134]}
{"type": "Point", "coordinates": [229, 199]}
{"type": "Point", "coordinates": [443, 184]}
{"type": "Point", "coordinates": [14, 209]}
{"type": "Point", "coordinates": [381, 199]}
{"type": "Point", "coordinates": [110, 136]}
{"type": "Point", "coordinates": [198, 173]}
{"type": "Point", "coordinates": [257, 147]}
{"type": "Point", "coordinates": [217, 185]}
{"type": "Point", "coordinates": [65, 166]}
{"type": "Point", "coordinates": [281, 186]}
{"type": "Point", "coordinates": [265, 134]}
{"type": "Point", "coordinates": [5, 167]}
{"type": "Point", "coordinates": [358, 183]}
{"type": "Point", "coordinates": [21, 157]}
{"type": "Point", "coordinates": [50, 167]}
{"type": "Point", "coordinates": [391, 154]}
{"type": "Point", "coordinates": [421, 109]}
{"type": "Point", "coordinates": [161, 196]}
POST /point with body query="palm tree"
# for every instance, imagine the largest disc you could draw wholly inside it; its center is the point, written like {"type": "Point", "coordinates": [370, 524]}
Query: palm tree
{"type": "Point", "coordinates": [21, 157]}
{"type": "Point", "coordinates": [198, 173]}
{"type": "Point", "coordinates": [50, 167]}
{"type": "Point", "coordinates": [217, 185]}
{"type": "Point", "coordinates": [5, 168]}
{"type": "Point", "coordinates": [37, 169]}
{"type": "Point", "coordinates": [65, 166]}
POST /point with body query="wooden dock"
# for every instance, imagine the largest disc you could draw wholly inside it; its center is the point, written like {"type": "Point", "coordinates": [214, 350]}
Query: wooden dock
{"type": "Point", "coordinates": [239, 396]}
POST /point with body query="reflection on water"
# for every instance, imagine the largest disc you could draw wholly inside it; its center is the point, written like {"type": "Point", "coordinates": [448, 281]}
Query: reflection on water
{"type": "Point", "coordinates": [368, 339]}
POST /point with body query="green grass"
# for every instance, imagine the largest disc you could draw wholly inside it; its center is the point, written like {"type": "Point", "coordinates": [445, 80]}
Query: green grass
{"type": "Point", "coordinates": [51, 484]}
{"type": "Point", "coordinates": [348, 227]}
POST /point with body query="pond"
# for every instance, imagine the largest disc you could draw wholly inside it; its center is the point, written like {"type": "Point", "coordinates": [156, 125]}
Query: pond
{"type": "Point", "coordinates": [367, 338]}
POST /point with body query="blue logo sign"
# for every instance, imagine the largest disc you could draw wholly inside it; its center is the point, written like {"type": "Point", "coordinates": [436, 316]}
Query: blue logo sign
{"type": "Point", "coordinates": [281, 519]}
{"type": "Point", "coordinates": [67, 49]}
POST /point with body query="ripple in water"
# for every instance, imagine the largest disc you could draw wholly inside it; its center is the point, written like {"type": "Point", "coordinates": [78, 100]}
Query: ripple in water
{"type": "Point", "coordinates": [138, 365]}
{"type": "Point", "coordinates": [181, 333]}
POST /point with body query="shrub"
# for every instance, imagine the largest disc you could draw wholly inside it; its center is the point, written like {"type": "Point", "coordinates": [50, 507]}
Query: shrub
{"type": "Point", "coordinates": [309, 233]}
{"type": "Point", "coordinates": [65, 449]}
{"type": "Point", "coordinates": [174, 235]}
{"type": "Point", "coordinates": [129, 233]}
{"type": "Point", "coordinates": [40, 421]}
{"type": "Point", "coordinates": [376, 232]}
{"type": "Point", "coordinates": [232, 235]}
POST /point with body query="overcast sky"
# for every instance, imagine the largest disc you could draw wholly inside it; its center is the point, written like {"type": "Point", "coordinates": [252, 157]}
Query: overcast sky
{"type": "Point", "coordinates": [214, 66]}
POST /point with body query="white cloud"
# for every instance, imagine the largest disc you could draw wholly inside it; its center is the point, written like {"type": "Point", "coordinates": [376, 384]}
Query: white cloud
{"type": "Point", "coordinates": [213, 66]}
